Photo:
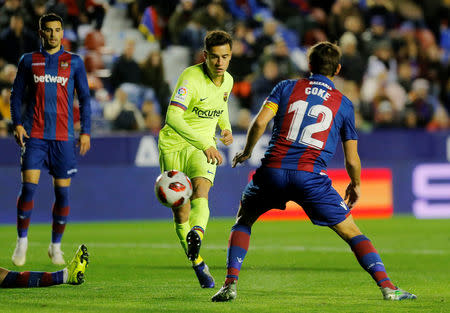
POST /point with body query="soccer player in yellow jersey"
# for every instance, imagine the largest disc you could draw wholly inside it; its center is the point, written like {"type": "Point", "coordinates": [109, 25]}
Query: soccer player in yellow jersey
{"type": "Point", "coordinates": [187, 141]}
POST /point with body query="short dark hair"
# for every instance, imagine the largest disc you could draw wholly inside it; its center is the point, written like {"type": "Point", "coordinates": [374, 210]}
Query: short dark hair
{"type": "Point", "coordinates": [217, 38]}
{"type": "Point", "coordinates": [50, 17]}
{"type": "Point", "coordinates": [324, 58]}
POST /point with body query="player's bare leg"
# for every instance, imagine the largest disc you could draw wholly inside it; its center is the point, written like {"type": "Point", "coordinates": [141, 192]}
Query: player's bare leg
{"type": "Point", "coordinates": [181, 214]}
{"type": "Point", "coordinates": [31, 176]}
{"type": "Point", "coordinates": [3, 273]}
{"type": "Point", "coordinates": [60, 212]}
{"type": "Point", "coordinates": [347, 229]}
{"type": "Point", "coordinates": [369, 259]}
{"type": "Point", "coordinates": [30, 180]}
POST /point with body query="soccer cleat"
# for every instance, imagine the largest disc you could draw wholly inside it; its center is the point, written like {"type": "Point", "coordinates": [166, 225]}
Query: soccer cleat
{"type": "Point", "coordinates": [204, 276]}
{"type": "Point", "coordinates": [55, 253]}
{"type": "Point", "coordinates": [396, 294]}
{"type": "Point", "coordinates": [20, 252]}
{"type": "Point", "coordinates": [77, 266]}
{"type": "Point", "coordinates": [193, 242]}
{"type": "Point", "coordinates": [226, 293]}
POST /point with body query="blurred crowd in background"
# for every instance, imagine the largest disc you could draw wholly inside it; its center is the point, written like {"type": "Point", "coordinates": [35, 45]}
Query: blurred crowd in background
{"type": "Point", "coordinates": [395, 64]}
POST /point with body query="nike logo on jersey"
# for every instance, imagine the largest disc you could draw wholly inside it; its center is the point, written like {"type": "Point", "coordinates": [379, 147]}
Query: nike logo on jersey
{"type": "Point", "coordinates": [343, 205]}
{"type": "Point", "coordinates": [203, 99]}
{"type": "Point", "coordinates": [209, 172]}
{"type": "Point", "coordinates": [50, 79]}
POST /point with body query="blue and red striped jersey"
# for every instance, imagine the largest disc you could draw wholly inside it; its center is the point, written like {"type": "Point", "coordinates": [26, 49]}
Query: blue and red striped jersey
{"type": "Point", "coordinates": [311, 116]}
{"type": "Point", "coordinates": [47, 84]}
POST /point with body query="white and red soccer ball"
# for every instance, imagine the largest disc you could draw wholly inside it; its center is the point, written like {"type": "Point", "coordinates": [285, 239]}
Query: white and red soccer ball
{"type": "Point", "coordinates": [173, 188]}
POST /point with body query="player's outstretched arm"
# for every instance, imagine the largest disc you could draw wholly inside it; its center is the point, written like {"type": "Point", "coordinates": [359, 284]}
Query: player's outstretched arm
{"type": "Point", "coordinates": [353, 167]}
{"type": "Point", "coordinates": [257, 128]}
{"type": "Point", "coordinates": [84, 97]}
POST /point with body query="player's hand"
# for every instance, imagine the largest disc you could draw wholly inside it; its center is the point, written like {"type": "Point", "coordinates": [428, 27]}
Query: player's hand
{"type": "Point", "coordinates": [227, 137]}
{"type": "Point", "coordinates": [19, 133]}
{"type": "Point", "coordinates": [213, 156]}
{"type": "Point", "coordinates": [352, 194]}
{"type": "Point", "coordinates": [84, 142]}
{"type": "Point", "coordinates": [240, 157]}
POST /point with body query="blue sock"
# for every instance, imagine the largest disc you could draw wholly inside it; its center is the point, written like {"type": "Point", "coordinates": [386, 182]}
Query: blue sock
{"type": "Point", "coordinates": [370, 260]}
{"type": "Point", "coordinates": [32, 279]}
{"type": "Point", "coordinates": [237, 249]}
{"type": "Point", "coordinates": [60, 212]}
{"type": "Point", "coordinates": [25, 205]}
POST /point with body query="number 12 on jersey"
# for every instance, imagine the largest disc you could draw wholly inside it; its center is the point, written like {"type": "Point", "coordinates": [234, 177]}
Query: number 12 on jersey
{"type": "Point", "coordinates": [299, 108]}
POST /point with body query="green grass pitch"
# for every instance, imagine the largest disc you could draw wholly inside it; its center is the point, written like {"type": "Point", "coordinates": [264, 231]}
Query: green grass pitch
{"type": "Point", "coordinates": [291, 267]}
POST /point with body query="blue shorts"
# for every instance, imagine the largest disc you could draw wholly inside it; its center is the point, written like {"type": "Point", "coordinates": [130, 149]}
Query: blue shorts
{"type": "Point", "coordinates": [272, 188]}
{"type": "Point", "coordinates": [55, 155]}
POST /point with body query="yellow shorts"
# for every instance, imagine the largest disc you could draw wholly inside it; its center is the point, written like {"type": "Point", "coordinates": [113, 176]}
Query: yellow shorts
{"type": "Point", "coordinates": [190, 161]}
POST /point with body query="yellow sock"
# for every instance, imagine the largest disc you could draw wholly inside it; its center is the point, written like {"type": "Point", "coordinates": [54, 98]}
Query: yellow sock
{"type": "Point", "coordinates": [198, 219]}
{"type": "Point", "coordinates": [182, 231]}
{"type": "Point", "coordinates": [199, 214]}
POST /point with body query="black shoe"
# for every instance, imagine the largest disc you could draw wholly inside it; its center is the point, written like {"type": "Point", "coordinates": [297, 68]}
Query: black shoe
{"type": "Point", "coordinates": [193, 242]}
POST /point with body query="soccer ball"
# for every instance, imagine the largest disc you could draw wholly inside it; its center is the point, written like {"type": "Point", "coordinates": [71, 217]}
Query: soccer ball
{"type": "Point", "coordinates": [173, 188]}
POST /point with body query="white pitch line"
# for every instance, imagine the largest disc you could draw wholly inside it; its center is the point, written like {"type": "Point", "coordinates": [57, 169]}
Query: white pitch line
{"type": "Point", "coordinates": [344, 249]}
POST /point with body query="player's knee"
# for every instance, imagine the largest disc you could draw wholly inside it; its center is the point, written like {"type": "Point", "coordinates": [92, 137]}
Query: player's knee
{"type": "Point", "coordinates": [347, 229]}
{"type": "Point", "coordinates": [62, 182]}
{"type": "Point", "coordinates": [201, 189]}
{"type": "Point", "coordinates": [347, 233]}
{"type": "Point", "coordinates": [31, 176]}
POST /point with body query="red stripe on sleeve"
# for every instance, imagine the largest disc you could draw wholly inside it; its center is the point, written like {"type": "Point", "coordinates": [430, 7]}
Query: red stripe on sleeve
{"type": "Point", "coordinates": [62, 97]}
{"type": "Point", "coordinates": [178, 104]}
{"type": "Point", "coordinates": [38, 70]}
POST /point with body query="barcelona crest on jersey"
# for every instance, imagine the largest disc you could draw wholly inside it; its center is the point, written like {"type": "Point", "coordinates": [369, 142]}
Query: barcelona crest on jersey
{"type": "Point", "coordinates": [225, 96]}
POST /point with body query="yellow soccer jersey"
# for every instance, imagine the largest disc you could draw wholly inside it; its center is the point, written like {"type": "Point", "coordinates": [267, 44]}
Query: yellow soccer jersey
{"type": "Point", "coordinates": [196, 107]}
